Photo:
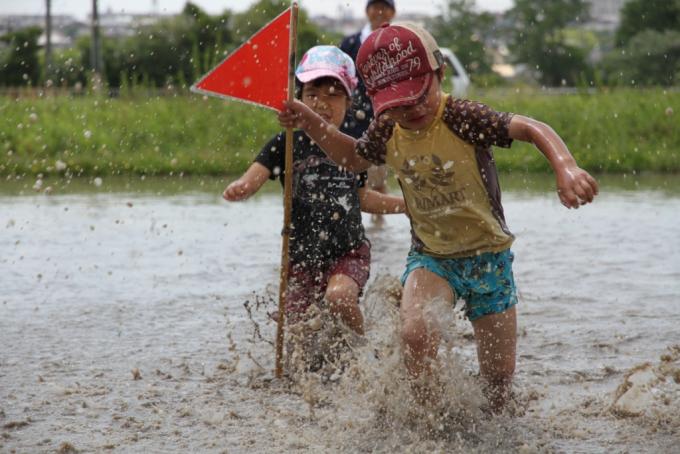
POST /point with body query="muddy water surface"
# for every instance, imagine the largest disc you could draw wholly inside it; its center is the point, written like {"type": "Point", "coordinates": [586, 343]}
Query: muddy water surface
{"type": "Point", "coordinates": [123, 327]}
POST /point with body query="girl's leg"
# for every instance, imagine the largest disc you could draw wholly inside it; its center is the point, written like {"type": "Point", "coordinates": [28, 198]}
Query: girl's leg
{"type": "Point", "coordinates": [420, 338]}
{"type": "Point", "coordinates": [342, 296]}
{"type": "Point", "coordinates": [496, 336]}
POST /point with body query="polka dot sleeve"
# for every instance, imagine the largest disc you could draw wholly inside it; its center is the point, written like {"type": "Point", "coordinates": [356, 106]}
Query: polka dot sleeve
{"type": "Point", "coordinates": [477, 123]}
{"type": "Point", "coordinates": [372, 146]}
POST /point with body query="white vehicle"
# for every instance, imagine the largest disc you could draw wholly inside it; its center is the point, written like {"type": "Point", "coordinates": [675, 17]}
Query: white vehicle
{"type": "Point", "coordinates": [455, 73]}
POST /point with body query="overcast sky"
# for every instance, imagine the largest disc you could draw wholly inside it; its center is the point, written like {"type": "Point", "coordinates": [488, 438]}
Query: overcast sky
{"type": "Point", "coordinates": [81, 8]}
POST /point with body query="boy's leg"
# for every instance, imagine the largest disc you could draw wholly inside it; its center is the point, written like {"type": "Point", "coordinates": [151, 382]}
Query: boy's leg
{"type": "Point", "coordinates": [377, 181]}
{"type": "Point", "coordinates": [420, 337]}
{"type": "Point", "coordinates": [496, 336]}
{"type": "Point", "coordinates": [377, 178]}
{"type": "Point", "coordinates": [342, 296]}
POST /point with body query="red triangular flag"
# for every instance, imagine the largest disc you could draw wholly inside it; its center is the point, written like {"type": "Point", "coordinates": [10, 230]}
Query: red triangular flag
{"type": "Point", "coordinates": [256, 72]}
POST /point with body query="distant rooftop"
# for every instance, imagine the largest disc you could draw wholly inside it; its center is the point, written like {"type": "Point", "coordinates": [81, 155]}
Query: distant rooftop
{"type": "Point", "coordinates": [605, 14]}
{"type": "Point", "coordinates": [348, 24]}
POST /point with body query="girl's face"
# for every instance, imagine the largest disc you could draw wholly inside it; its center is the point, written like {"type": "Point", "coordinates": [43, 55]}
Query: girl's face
{"type": "Point", "coordinates": [423, 112]}
{"type": "Point", "coordinates": [328, 99]}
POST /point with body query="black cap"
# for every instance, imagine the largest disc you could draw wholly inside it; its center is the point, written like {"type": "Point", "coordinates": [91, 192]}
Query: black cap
{"type": "Point", "coordinates": [389, 3]}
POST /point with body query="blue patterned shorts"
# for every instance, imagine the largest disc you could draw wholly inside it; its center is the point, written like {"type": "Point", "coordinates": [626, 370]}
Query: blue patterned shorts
{"type": "Point", "coordinates": [484, 281]}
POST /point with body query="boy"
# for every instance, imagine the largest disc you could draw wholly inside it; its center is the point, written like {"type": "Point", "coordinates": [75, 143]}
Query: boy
{"type": "Point", "coordinates": [378, 12]}
{"type": "Point", "coordinates": [440, 150]}
{"type": "Point", "coordinates": [329, 252]}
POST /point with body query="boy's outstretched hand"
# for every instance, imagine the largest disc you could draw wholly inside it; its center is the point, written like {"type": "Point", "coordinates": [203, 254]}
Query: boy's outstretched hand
{"type": "Point", "coordinates": [338, 146]}
{"type": "Point", "coordinates": [295, 114]}
{"type": "Point", "coordinates": [575, 187]}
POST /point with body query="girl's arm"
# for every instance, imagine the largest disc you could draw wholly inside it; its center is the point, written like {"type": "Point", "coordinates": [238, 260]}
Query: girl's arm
{"type": "Point", "coordinates": [338, 146]}
{"type": "Point", "coordinates": [575, 186]}
{"type": "Point", "coordinates": [377, 203]}
{"type": "Point", "coordinates": [249, 183]}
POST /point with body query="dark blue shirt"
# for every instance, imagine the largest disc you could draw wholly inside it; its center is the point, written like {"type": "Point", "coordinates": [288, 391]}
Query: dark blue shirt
{"type": "Point", "coordinates": [326, 215]}
{"type": "Point", "coordinates": [360, 115]}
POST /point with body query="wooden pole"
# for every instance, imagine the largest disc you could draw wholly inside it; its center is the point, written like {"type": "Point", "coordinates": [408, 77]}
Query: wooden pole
{"type": "Point", "coordinates": [287, 197]}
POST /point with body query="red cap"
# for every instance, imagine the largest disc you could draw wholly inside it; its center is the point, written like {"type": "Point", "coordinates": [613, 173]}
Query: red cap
{"type": "Point", "coordinates": [397, 64]}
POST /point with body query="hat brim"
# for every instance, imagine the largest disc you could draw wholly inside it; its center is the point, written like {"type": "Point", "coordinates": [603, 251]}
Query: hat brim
{"type": "Point", "coordinates": [308, 76]}
{"type": "Point", "coordinates": [404, 93]}
{"type": "Point", "coordinates": [386, 2]}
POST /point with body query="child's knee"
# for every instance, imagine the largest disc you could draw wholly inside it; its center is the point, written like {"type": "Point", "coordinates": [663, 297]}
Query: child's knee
{"type": "Point", "coordinates": [340, 294]}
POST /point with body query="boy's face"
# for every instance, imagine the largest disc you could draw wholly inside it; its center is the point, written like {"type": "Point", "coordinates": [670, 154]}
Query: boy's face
{"type": "Point", "coordinates": [422, 113]}
{"type": "Point", "coordinates": [329, 100]}
{"type": "Point", "coordinates": [378, 13]}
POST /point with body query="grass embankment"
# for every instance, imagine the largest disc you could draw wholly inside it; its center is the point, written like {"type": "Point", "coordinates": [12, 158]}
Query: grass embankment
{"type": "Point", "coordinates": [103, 136]}
{"type": "Point", "coordinates": [617, 131]}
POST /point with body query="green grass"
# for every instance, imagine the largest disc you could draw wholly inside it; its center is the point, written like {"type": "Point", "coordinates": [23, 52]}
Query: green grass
{"type": "Point", "coordinates": [609, 131]}
{"type": "Point", "coordinates": [94, 135]}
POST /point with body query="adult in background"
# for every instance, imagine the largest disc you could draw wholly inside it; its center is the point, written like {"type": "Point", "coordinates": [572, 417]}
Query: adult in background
{"type": "Point", "coordinates": [359, 117]}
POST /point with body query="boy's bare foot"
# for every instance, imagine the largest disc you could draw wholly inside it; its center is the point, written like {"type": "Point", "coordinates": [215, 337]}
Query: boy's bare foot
{"type": "Point", "coordinates": [427, 389]}
{"type": "Point", "coordinates": [501, 400]}
{"type": "Point", "coordinates": [322, 344]}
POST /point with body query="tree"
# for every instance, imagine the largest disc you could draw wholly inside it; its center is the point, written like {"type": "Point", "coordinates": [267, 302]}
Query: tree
{"type": "Point", "coordinates": [539, 39]}
{"type": "Point", "coordinates": [466, 33]}
{"type": "Point", "coordinates": [639, 15]}
{"type": "Point", "coordinates": [19, 63]}
{"type": "Point", "coordinates": [648, 44]}
{"type": "Point", "coordinates": [176, 49]}
{"type": "Point", "coordinates": [67, 68]}
{"type": "Point", "coordinates": [183, 47]}
{"type": "Point", "coordinates": [259, 14]}
{"type": "Point", "coordinates": [650, 58]}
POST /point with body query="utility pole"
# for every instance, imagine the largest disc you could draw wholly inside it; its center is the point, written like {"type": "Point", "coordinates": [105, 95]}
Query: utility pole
{"type": "Point", "coordinates": [48, 40]}
{"type": "Point", "coordinates": [96, 47]}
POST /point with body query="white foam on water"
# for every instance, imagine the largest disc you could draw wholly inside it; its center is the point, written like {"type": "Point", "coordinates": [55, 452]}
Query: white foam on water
{"type": "Point", "coordinates": [368, 404]}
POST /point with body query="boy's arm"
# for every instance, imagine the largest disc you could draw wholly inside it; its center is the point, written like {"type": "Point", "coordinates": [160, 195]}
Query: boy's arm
{"type": "Point", "coordinates": [249, 183]}
{"type": "Point", "coordinates": [378, 203]}
{"type": "Point", "coordinates": [338, 146]}
{"type": "Point", "coordinates": [575, 186]}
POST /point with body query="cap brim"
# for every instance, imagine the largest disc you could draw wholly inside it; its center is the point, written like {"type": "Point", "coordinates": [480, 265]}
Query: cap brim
{"type": "Point", "coordinates": [388, 3]}
{"type": "Point", "coordinates": [308, 76]}
{"type": "Point", "coordinates": [404, 93]}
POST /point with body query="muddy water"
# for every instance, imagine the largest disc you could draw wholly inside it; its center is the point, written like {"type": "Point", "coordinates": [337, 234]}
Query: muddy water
{"type": "Point", "coordinates": [123, 327]}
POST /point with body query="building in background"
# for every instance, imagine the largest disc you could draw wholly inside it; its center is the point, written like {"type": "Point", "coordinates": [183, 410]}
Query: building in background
{"type": "Point", "coordinates": [346, 23]}
{"type": "Point", "coordinates": [117, 25]}
{"type": "Point", "coordinates": [605, 15]}
{"type": "Point", "coordinates": [67, 29]}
